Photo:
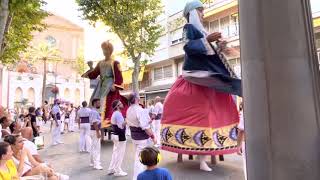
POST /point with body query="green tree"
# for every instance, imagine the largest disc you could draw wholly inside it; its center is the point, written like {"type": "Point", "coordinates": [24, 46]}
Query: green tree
{"type": "Point", "coordinates": [18, 19]}
{"type": "Point", "coordinates": [133, 21]}
{"type": "Point", "coordinates": [80, 63]}
{"type": "Point", "coordinates": [45, 53]}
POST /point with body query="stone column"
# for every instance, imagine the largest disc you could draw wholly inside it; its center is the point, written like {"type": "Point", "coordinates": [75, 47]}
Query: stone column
{"type": "Point", "coordinates": [281, 90]}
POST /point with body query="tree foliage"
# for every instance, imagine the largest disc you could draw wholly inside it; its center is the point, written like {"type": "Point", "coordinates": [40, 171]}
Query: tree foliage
{"type": "Point", "coordinates": [43, 52]}
{"type": "Point", "coordinates": [25, 17]}
{"type": "Point", "coordinates": [133, 21]}
{"type": "Point", "coordinates": [80, 63]}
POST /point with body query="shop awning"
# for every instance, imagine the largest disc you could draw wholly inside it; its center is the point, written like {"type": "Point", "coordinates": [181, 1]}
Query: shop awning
{"type": "Point", "coordinates": [127, 75]}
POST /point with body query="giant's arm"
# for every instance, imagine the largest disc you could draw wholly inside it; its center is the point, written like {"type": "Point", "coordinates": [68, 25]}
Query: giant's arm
{"type": "Point", "coordinates": [196, 44]}
{"type": "Point", "coordinates": [92, 73]}
{"type": "Point", "coordinates": [118, 79]}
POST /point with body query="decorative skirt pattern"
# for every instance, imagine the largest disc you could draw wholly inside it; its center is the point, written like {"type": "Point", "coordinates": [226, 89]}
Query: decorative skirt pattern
{"type": "Point", "coordinates": [198, 120]}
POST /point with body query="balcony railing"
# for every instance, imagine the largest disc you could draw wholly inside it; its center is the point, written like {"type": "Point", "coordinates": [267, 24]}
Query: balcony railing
{"type": "Point", "coordinates": [210, 3]}
{"type": "Point", "coordinates": [142, 85]}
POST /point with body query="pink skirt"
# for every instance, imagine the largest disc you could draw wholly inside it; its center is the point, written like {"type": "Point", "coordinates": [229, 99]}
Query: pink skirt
{"type": "Point", "coordinates": [198, 120]}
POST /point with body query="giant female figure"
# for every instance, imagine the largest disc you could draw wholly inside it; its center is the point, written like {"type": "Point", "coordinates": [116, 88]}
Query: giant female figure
{"type": "Point", "coordinates": [200, 115]}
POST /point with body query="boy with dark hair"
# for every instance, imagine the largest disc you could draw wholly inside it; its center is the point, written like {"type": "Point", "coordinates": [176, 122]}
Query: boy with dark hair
{"type": "Point", "coordinates": [150, 157]}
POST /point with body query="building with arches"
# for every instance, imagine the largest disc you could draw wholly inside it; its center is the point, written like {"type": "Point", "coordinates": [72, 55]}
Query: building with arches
{"type": "Point", "coordinates": [22, 83]}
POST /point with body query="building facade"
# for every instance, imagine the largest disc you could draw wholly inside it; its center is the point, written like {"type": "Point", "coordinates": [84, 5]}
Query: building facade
{"type": "Point", "coordinates": [22, 82]}
{"type": "Point", "coordinates": [166, 64]}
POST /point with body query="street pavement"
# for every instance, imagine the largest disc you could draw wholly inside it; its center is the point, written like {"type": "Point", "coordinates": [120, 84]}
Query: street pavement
{"type": "Point", "coordinates": [66, 159]}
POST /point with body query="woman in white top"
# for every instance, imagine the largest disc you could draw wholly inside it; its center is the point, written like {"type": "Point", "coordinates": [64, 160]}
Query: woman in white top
{"type": "Point", "coordinates": [26, 164]}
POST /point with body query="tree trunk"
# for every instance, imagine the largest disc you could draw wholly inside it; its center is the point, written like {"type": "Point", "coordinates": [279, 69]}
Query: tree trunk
{"type": "Point", "coordinates": [135, 74]}
{"type": "Point", "coordinates": [4, 13]}
{"type": "Point", "coordinates": [44, 80]}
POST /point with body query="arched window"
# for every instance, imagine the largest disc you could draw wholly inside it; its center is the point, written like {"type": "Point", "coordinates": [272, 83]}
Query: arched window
{"type": "Point", "coordinates": [31, 96]}
{"type": "Point", "coordinates": [18, 95]}
{"type": "Point", "coordinates": [67, 94]}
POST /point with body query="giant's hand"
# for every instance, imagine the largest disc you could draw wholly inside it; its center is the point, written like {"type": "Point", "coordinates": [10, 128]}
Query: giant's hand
{"type": "Point", "coordinates": [214, 36]}
{"type": "Point", "coordinates": [113, 88]}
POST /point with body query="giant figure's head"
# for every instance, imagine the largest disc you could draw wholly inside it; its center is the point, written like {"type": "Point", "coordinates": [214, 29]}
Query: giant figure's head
{"type": "Point", "coordinates": [107, 49]}
{"type": "Point", "coordinates": [194, 13]}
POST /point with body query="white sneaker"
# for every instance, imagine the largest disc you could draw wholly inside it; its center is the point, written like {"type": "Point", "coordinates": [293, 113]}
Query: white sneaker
{"type": "Point", "coordinates": [204, 167]}
{"type": "Point", "coordinates": [91, 164]}
{"type": "Point", "coordinates": [120, 174]}
{"type": "Point", "coordinates": [98, 167]}
{"type": "Point", "coordinates": [111, 171]}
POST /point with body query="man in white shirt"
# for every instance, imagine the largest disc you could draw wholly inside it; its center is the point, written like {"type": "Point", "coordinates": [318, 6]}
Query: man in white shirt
{"type": "Point", "coordinates": [83, 119]}
{"type": "Point", "coordinates": [138, 120]}
{"type": "Point", "coordinates": [95, 122]}
{"type": "Point", "coordinates": [157, 116]}
{"type": "Point", "coordinates": [56, 134]}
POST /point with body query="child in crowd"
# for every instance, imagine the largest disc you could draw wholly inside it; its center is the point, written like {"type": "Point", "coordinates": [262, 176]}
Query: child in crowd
{"type": "Point", "coordinates": [150, 157]}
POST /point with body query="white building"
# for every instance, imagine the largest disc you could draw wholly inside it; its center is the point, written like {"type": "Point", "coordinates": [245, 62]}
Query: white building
{"type": "Point", "coordinates": [26, 88]}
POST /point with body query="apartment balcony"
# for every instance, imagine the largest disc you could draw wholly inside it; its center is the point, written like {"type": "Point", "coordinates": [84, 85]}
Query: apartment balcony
{"type": "Point", "coordinates": [213, 4]}
{"type": "Point", "coordinates": [142, 85]}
